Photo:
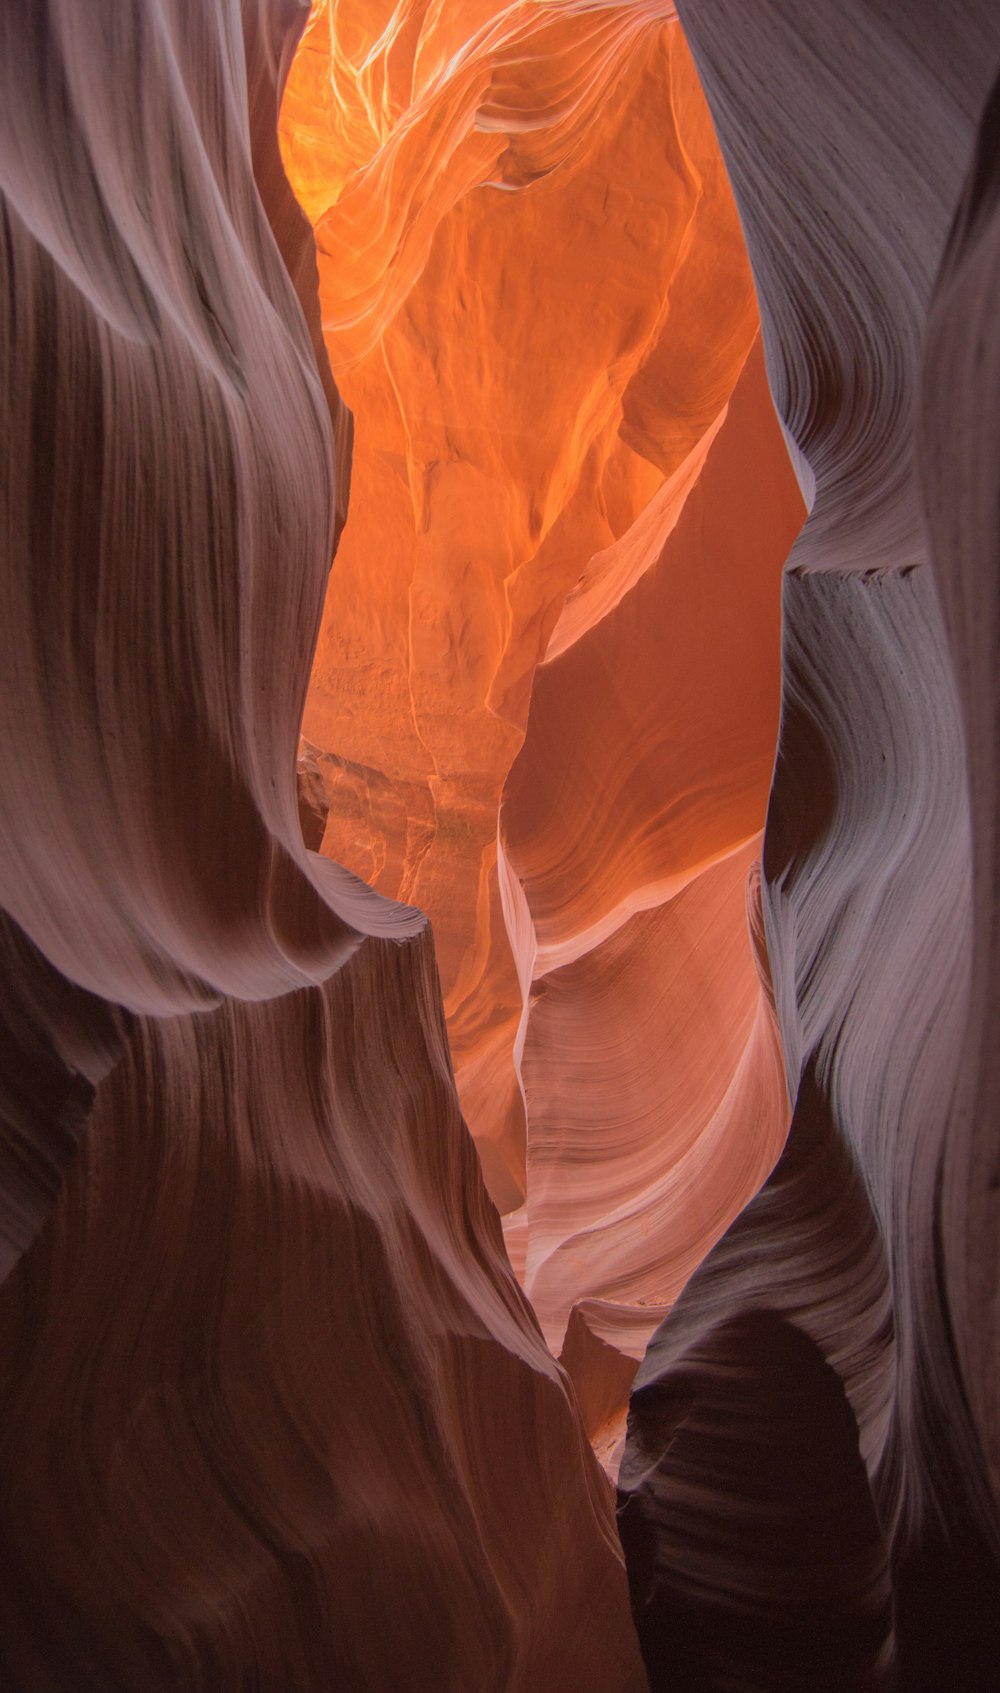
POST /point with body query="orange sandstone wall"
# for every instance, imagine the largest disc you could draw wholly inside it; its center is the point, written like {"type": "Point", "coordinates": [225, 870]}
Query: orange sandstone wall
{"type": "Point", "coordinates": [536, 300]}
{"type": "Point", "coordinates": [652, 1070]}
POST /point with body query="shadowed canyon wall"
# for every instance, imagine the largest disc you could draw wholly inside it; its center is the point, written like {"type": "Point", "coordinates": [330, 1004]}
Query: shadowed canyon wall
{"type": "Point", "coordinates": [275, 1410]}
{"type": "Point", "coordinates": [872, 1248]}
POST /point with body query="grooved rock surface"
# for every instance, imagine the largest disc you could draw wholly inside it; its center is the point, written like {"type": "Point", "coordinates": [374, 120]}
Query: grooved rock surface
{"type": "Point", "coordinates": [960, 427]}
{"type": "Point", "coordinates": [754, 1415]}
{"type": "Point", "coordinates": [869, 1257]}
{"type": "Point", "coordinates": [652, 1072]}
{"type": "Point", "coordinates": [274, 1412]}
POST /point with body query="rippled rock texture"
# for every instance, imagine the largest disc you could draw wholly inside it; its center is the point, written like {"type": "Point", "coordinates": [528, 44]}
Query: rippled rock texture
{"type": "Point", "coordinates": [557, 599]}
{"type": "Point", "coordinates": [274, 1412]}
{"type": "Point", "coordinates": [857, 1294]}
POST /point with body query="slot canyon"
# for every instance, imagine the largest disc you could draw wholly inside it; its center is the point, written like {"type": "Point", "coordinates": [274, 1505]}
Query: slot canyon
{"type": "Point", "coordinates": [499, 1158]}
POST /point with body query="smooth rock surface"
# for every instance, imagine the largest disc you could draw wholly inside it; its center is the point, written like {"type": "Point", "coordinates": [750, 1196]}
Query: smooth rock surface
{"type": "Point", "coordinates": [274, 1410]}
{"type": "Point", "coordinates": [557, 595]}
{"type": "Point", "coordinates": [535, 298]}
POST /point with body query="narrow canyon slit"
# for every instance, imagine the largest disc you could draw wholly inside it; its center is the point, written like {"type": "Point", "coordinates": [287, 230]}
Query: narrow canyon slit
{"type": "Point", "coordinates": [544, 703]}
{"type": "Point", "coordinates": [427, 707]}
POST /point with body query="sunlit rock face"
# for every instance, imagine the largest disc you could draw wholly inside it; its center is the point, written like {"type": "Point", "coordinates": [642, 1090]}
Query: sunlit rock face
{"type": "Point", "coordinates": [860, 1285]}
{"type": "Point", "coordinates": [556, 603]}
{"type": "Point", "coordinates": [274, 1412]}
{"type": "Point", "coordinates": [652, 1072]}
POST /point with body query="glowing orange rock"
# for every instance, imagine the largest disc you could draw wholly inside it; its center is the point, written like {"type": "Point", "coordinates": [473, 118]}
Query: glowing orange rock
{"type": "Point", "coordinates": [652, 1071]}
{"type": "Point", "coordinates": [536, 300]}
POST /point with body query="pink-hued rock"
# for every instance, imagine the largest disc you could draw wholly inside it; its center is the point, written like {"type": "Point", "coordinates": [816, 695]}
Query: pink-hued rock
{"type": "Point", "coordinates": [274, 1412]}
{"type": "Point", "coordinates": [272, 1406]}
{"type": "Point", "coordinates": [848, 132]}
{"type": "Point", "coordinates": [653, 1080]}
{"type": "Point", "coordinates": [275, 1409]}
{"type": "Point", "coordinates": [960, 429]}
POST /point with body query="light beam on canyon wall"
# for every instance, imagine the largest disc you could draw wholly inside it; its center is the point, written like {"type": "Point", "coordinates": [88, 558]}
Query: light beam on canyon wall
{"type": "Point", "coordinates": [275, 1410]}
{"type": "Point", "coordinates": [556, 599]}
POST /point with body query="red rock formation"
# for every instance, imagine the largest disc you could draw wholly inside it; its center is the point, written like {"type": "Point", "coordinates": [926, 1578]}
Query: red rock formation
{"type": "Point", "coordinates": [654, 1086]}
{"type": "Point", "coordinates": [274, 1411]}
{"type": "Point", "coordinates": [267, 1381]}
{"type": "Point", "coordinates": [509, 433]}
{"type": "Point", "coordinates": [754, 1415]}
{"type": "Point", "coordinates": [273, 1408]}
{"type": "Point", "coordinates": [866, 1243]}
{"type": "Point", "coordinates": [539, 477]}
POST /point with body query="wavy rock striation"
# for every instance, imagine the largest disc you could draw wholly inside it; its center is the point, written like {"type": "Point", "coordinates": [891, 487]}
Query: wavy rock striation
{"type": "Point", "coordinates": [478, 179]}
{"type": "Point", "coordinates": [655, 1093]}
{"type": "Point", "coordinates": [274, 1411]}
{"type": "Point", "coordinates": [860, 1283]}
{"type": "Point", "coordinates": [558, 594]}
{"type": "Point", "coordinates": [959, 431]}
{"type": "Point", "coordinates": [268, 1383]}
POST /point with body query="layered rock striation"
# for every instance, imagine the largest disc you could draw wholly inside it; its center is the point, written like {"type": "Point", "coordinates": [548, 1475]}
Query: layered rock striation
{"type": "Point", "coordinates": [653, 1080]}
{"type": "Point", "coordinates": [557, 597]}
{"type": "Point", "coordinates": [860, 1283]}
{"type": "Point", "coordinates": [273, 1410]}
